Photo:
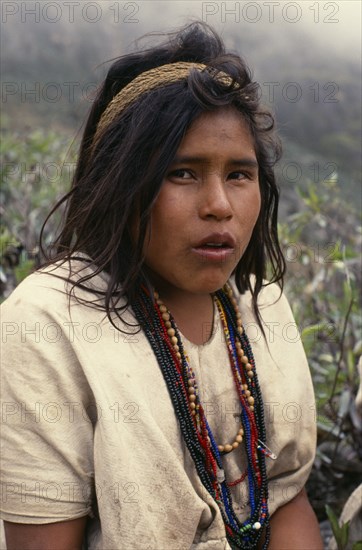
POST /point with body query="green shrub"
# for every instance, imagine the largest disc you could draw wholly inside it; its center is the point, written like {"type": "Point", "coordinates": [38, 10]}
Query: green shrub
{"type": "Point", "coordinates": [321, 242]}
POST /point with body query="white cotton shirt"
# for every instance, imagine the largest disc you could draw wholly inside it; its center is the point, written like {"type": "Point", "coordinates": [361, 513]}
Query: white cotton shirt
{"type": "Point", "coordinates": [88, 426]}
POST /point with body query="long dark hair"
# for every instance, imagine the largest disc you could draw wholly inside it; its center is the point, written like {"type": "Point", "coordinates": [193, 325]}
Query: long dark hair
{"type": "Point", "coordinates": [124, 173]}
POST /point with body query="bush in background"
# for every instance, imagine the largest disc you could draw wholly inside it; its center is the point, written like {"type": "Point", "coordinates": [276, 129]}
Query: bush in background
{"type": "Point", "coordinates": [36, 170]}
{"type": "Point", "coordinates": [321, 242]}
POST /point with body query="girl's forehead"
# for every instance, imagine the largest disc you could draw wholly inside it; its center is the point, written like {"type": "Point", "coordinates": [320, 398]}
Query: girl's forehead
{"type": "Point", "coordinates": [222, 119]}
{"type": "Point", "coordinates": [222, 125]}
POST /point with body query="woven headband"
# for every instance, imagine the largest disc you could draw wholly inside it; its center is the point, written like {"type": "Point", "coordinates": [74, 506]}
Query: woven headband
{"type": "Point", "coordinates": [147, 81]}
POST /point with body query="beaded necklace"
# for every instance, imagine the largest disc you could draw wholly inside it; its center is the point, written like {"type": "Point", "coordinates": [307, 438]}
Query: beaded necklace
{"type": "Point", "coordinates": [165, 340]}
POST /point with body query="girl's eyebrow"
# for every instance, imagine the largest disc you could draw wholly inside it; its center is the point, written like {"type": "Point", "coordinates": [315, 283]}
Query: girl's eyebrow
{"type": "Point", "coordinates": [247, 161]}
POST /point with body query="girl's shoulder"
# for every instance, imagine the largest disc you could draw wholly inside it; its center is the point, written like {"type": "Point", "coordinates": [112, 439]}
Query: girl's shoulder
{"type": "Point", "coordinates": [58, 285]}
{"type": "Point", "coordinates": [270, 296]}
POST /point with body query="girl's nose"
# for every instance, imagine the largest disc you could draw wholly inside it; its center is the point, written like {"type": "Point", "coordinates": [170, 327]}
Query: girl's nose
{"type": "Point", "coordinates": [214, 200]}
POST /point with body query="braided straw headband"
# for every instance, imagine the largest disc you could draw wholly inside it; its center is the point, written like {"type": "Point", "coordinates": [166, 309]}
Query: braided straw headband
{"type": "Point", "coordinates": [147, 81]}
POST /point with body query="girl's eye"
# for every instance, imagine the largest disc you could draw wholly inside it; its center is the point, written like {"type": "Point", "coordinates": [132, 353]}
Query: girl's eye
{"type": "Point", "coordinates": [180, 174]}
{"type": "Point", "coordinates": [238, 176]}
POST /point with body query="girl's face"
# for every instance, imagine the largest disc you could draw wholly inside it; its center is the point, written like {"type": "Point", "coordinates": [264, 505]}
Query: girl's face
{"type": "Point", "coordinates": [209, 202]}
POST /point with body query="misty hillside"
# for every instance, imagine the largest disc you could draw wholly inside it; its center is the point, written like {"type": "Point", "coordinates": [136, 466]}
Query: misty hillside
{"type": "Point", "coordinates": [50, 71]}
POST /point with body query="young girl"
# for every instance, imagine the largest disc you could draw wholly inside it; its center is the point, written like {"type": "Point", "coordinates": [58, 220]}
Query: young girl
{"type": "Point", "coordinates": [156, 393]}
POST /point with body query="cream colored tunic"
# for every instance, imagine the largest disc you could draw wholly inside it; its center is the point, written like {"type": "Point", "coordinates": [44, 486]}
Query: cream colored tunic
{"type": "Point", "coordinates": [89, 427]}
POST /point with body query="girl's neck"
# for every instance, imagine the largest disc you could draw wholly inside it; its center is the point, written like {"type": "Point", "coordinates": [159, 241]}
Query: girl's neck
{"type": "Point", "coordinates": [193, 313]}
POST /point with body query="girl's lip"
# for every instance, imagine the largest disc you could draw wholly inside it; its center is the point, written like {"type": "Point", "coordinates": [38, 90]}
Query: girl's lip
{"type": "Point", "coordinates": [225, 238]}
{"type": "Point", "coordinates": [213, 254]}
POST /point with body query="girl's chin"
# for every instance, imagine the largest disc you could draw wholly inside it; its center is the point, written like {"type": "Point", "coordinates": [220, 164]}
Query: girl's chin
{"type": "Point", "coordinates": [209, 286]}
{"type": "Point", "coordinates": [205, 283]}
